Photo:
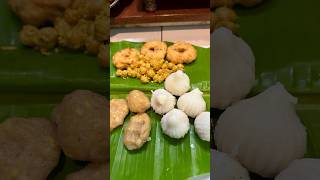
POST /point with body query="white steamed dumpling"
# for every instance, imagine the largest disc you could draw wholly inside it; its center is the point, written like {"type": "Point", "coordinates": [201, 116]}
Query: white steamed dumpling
{"type": "Point", "coordinates": [227, 168]}
{"type": "Point", "coordinates": [263, 132]}
{"type": "Point", "coordinates": [202, 126]}
{"type": "Point", "coordinates": [233, 68]}
{"type": "Point", "coordinates": [302, 169]}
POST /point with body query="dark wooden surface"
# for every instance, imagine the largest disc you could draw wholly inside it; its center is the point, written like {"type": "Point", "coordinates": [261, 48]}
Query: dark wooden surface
{"type": "Point", "coordinates": [132, 12]}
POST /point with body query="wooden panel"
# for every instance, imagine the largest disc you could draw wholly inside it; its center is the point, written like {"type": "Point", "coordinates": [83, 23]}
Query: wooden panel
{"type": "Point", "coordinates": [132, 13]}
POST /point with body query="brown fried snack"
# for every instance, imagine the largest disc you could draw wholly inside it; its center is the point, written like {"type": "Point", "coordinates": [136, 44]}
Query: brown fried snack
{"type": "Point", "coordinates": [28, 149]}
{"type": "Point", "coordinates": [118, 111]}
{"type": "Point", "coordinates": [137, 132]}
{"type": "Point", "coordinates": [138, 102]}
{"type": "Point", "coordinates": [82, 125]}
{"type": "Point", "coordinates": [90, 172]}
{"type": "Point", "coordinates": [38, 12]}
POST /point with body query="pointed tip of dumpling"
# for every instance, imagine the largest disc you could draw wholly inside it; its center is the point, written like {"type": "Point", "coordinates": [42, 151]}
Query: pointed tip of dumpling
{"type": "Point", "coordinates": [280, 90]}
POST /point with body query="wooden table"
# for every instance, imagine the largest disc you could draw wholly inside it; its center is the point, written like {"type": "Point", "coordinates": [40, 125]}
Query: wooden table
{"type": "Point", "coordinates": [131, 13]}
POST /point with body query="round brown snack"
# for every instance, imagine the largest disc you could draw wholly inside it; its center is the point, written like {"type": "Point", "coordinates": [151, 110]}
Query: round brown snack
{"type": "Point", "coordinates": [29, 35]}
{"type": "Point", "coordinates": [90, 172]}
{"type": "Point", "coordinates": [82, 130]}
{"type": "Point", "coordinates": [28, 150]}
{"type": "Point", "coordinates": [225, 14]}
{"type": "Point", "coordinates": [154, 50]}
{"type": "Point", "coordinates": [137, 131]}
{"type": "Point", "coordinates": [125, 57]}
{"type": "Point", "coordinates": [181, 52]}
{"type": "Point", "coordinates": [138, 102]}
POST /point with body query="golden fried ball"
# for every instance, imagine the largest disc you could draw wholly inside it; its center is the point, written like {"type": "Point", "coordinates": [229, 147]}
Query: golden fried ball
{"type": "Point", "coordinates": [138, 102]}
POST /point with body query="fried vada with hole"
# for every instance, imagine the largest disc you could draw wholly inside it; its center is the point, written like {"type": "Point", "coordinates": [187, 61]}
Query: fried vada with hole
{"type": "Point", "coordinates": [181, 52]}
{"type": "Point", "coordinates": [154, 50]}
{"type": "Point", "coordinates": [125, 57]}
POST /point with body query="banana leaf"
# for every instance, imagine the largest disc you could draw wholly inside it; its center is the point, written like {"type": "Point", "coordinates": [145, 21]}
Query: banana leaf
{"type": "Point", "coordinates": [288, 53]}
{"type": "Point", "coordinates": [284, 37]}
{"type": "Point", "coordinates": [162, 157]}
{"type": "Point", "coordinates": [31, 83]}
{"type": "Point", "coordinates": [198, 71]}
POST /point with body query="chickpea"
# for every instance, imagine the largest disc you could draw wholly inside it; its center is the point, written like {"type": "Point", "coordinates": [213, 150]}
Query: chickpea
{"type": "Point", "coordinates": [139, 63]}
{"type": "Point", "coordinates": [124, 73]}
{"type": "Point", "coordinates": [132, 73]}
{"type": "Point", "coordinates": [147, 65]}
{"type": "Point", "coordinates": [174, 68]}
{"type": "Point", "coordinates": [143, 70]}
{"type": "Point", "coordinates": [164, 66]}
{"type": "Point", "coordinates": [144, 79]}
{"type": "Point", "coordinates": [170, 65]}
{"type": "Point", "coordinates": [180, 66]}
{"type": "Point", "coordinates": [134, 65]}
{"type": "Point", "coordinates": [156, 77]}
{"type": "Point", "coordinates": [151, 73]}
{"type": "Point", "coordinates": [162, 77]}
{"type": "Point", "coordinates": [118, 72]}
{"type": "Point", "coordinates": [160, 71]}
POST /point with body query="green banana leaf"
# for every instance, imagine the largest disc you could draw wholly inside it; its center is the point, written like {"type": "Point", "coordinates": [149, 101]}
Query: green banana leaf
{"type": "Point", "coordinates": [198, 71]}
{"type": "Point", "coordinates": [31, 83]}
{"type": "Point", "coordinates": [284, 36]}
{"type": "Point", "coordinates": [288, 52]}
{"type": "Point", "coordinates": [162, 158]}
{"type": "Point", "coordinates": [26, 70]}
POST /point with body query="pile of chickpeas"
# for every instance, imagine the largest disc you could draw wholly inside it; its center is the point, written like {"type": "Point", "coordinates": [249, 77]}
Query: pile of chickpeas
{"type": "Point", "coordinates": [149, 70]}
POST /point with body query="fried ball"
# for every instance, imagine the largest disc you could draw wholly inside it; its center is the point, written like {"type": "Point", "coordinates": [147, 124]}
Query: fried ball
{"type": "Point", "coordinates": [225, 14]}
{"type": "Point", "coordinates": [29, 149]}
{"type": "Point", "coordinates": [137, 132]}
{"type": "Point", "coordinates": [81, 120]}
{"type": "Point", "coordinates": [181, 52]}
{"type": "Point", "coordinates": [101, 28]}
{"type": "Point", "coordinates": [42, 39]}
{"type": "Point", "coordinates": [154, 50]}
{"type": "Point", "coordinates": [125, 57]}
{"type": "Point", "coordinates": [118, 111]}
{"type": "Point", "coordinates": [62, 28]}
{"type": "Point", "coordinates": [227, 24]}
{"type": "Point", "coordinates": [76, 38]}
{"type": "Point", "coordinates": [90, 172]}
{"type": "Point", "coordinates": [29, 35]}
{"type": "Point", "coordinates": [38, 12]}
{"type": "Point", "coordinates": [48, 38]}
{"type": "Point", "coordinates": [138, 102]}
